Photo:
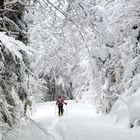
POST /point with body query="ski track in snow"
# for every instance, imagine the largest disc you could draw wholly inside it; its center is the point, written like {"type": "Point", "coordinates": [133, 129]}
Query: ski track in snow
{"type": "Point", "coordinates": [80, 122]}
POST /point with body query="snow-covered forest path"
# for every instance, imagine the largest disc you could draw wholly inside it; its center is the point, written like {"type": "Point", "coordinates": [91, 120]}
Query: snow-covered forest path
{"type": "Point", "coordinates": [80, 122]}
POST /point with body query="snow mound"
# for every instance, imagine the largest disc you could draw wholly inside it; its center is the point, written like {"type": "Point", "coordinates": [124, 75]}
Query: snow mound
{"type": "Point", "coordinates": [120, 113]}
{"type": "Point", "coordinates": [134, 108]}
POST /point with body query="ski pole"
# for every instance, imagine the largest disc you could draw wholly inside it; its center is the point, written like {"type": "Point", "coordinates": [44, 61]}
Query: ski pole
{"type": "Point", "coordinates": [66, 110]}
{"type": "Point", "coordinates": [55, 110]}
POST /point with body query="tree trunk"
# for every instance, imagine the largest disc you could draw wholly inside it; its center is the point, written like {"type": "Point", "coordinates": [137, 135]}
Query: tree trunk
{"type": "Point", "coordinates": [1, 12]}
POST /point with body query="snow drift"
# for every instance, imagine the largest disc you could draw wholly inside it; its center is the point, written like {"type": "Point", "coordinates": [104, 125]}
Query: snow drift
{"type": "Point", "coordinates": [134, 108]}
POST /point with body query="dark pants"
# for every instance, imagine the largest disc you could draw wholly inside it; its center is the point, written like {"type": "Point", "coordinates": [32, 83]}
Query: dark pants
{"type": "Point", "coordinates": [60, 110]}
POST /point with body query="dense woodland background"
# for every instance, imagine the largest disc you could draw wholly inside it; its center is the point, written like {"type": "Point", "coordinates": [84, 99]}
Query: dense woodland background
{"type": "Point", "coordinates": [71, 48]}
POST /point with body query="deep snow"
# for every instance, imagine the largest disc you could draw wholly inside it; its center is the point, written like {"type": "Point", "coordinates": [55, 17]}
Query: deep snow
{"type": "Point", "coordinates": [80, 122]}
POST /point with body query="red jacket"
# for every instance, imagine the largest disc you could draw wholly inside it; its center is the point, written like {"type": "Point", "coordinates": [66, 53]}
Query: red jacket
{"type": "Point", "coordinates": [60, 101]}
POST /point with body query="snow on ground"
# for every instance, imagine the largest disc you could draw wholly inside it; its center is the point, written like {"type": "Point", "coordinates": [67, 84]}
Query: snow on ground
{"type": "Point", "coordinates": [80, 122]}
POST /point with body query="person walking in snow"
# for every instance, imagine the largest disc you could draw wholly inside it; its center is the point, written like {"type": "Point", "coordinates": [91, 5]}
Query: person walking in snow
{"type": "Point", "coordinates": [60, 102]}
